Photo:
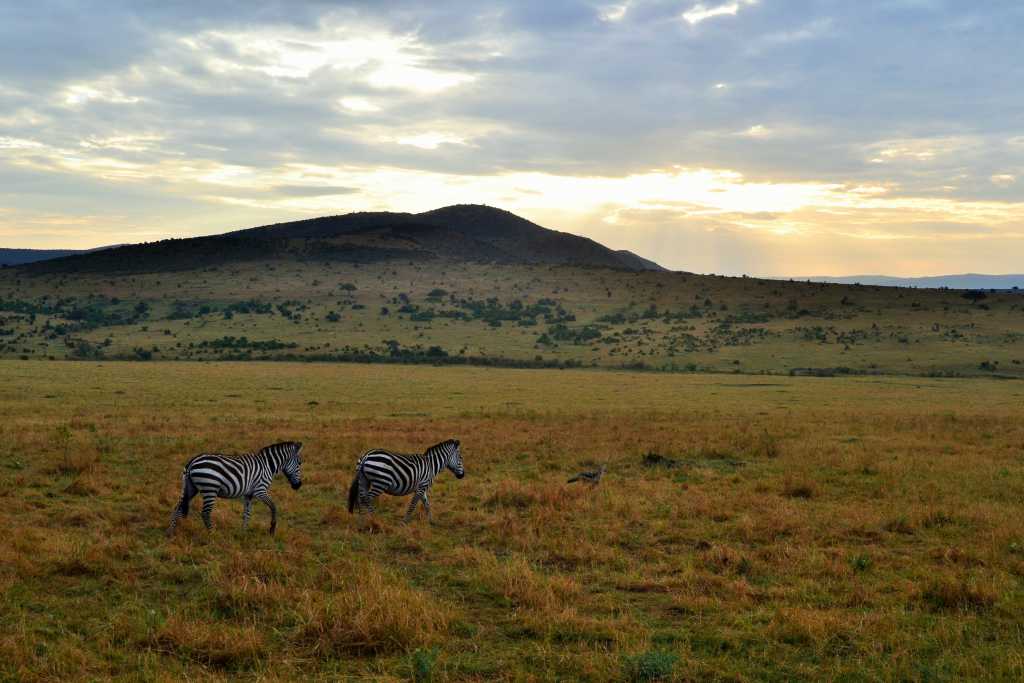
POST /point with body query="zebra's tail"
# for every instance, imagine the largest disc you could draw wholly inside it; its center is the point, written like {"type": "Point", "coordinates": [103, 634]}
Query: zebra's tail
{"type": "Point", "coordinates": [188, 492]}
{"type": "Point", "coordinates": [353, 492]}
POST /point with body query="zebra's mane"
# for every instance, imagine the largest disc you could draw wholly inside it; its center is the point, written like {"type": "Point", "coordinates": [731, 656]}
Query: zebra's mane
{"type": "Point", "coordinates": [290, 446]}
{"type": "Point", "coordinates": [439, 446]}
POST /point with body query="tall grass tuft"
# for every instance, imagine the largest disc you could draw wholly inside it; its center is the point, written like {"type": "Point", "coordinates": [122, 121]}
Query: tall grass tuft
{"type": "Point", "coordinates": [653, 665]}
{"type": "Point", "coordinates": [367, 610]}
{"type": "Point", "coordinates": [422, 663]}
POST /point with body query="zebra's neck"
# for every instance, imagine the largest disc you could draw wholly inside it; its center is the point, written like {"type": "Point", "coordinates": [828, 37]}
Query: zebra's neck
{"type": "Point", "coordinates": [274, 459]}
{"type": "Point", "coordinates": [437, 460]}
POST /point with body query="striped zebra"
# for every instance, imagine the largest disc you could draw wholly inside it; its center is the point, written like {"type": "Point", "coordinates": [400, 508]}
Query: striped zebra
{"type": "Point", "coordinates": [245, 476]}
{"type": "Point", "coordinates": [397, 474]}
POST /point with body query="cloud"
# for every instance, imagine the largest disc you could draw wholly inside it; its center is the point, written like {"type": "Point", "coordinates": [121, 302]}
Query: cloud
{"type": "Point", "coordinates": [702, 12]}
{"type": "Point", "coordinates": [614, 12]}
{"type": "Point", "coordinates": [311, 190]}
{"type": "Point", "coordinates": [358, 104]}
{"type": "Point", "coordinates": [431, 140]}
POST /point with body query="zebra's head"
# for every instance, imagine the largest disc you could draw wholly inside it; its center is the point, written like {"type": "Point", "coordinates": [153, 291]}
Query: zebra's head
{"type": "Point", "coordinates": [292, 466]}
{"type": "Point", "coordinates": [454, 461]}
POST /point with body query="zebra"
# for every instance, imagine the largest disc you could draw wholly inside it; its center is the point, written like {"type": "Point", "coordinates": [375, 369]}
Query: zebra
{"type": "Point", "coordinates": [245, 476]}
{"type": "Point", "coordinates": [397, 474]}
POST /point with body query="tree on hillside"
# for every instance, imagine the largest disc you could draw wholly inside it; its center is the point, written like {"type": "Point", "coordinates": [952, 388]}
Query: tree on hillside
{"type": "Point", "coordinates": [974, 295]}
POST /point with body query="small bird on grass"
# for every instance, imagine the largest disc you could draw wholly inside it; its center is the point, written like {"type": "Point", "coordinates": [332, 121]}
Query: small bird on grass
{"type": "Point", "coordinates": [592, 477]}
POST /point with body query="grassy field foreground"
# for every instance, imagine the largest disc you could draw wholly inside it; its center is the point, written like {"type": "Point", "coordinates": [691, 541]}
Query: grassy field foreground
{"type": "Point", "coordinates": [748, 528]}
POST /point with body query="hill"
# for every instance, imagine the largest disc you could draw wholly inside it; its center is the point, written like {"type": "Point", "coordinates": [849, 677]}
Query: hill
{"type": "Point", "coordinates": [638, 262]}
{"type": "Point", "coordinates": [464, 232]}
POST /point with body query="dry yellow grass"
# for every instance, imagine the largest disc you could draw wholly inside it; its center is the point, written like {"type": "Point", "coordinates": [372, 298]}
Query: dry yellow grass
{"type": "Point", "coordinates": [793, 528]}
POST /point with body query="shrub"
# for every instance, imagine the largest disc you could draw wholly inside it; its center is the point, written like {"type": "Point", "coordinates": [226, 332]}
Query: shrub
{"type": "Point", "coordinates": [422, 665]}
{"type": "Point", "coordinates": [799, 489]}
{"type": "Point", "coordinates": [649, 666]}
{"type": "Point", "coordinates": [860, 563]}
{"type": "Point", "coordinates": [958, 594]}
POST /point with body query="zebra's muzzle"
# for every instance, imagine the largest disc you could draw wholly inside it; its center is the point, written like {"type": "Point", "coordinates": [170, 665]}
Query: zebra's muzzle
{"type": "Point", "coordinates": [460, 475]}
{"type": "Point", "coordinates": [296, 486]}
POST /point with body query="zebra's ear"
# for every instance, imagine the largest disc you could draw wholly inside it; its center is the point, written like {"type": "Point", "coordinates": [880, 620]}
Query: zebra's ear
{"type": "Point", "coordinates": [456, 443]}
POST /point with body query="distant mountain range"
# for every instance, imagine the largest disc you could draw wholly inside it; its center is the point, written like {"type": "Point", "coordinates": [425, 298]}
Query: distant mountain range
{"type": "Point", "coordinates": [16, 257]}
{"type": "Point", "coordinates": [965, 281]}
{"type": "Point", "coordinates": [464, 232]}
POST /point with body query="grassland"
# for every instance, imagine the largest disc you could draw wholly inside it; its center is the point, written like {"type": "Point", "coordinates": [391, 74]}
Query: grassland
{"type": "Point", "coordinates": [458, 312]}
{"type": "Point", "coordinates": [749, 528]}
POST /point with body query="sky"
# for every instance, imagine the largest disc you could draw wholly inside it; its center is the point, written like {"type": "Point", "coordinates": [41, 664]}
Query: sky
{"type": "Point", "coordinates": [761, 137]}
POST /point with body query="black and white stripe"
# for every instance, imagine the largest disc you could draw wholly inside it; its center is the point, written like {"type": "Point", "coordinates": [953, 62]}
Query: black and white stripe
{"type": "Point", "coordinates": [245, 476]}
{"type": "Point", "coordinates": [398, 474]}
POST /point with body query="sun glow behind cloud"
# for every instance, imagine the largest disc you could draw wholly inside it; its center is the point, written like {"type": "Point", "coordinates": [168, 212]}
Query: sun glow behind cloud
{"type": "Point", "coordinates": [382, 60]}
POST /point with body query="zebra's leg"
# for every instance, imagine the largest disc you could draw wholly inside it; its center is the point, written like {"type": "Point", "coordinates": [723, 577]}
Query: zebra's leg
{"type": "Point", "coordinates": [208, 500]}
{"type": "Point", "coordinates": [265, 499]}
{"type": "Point", "coordinates": [412, 506]}
{"type": "Point", "coordinates": [246, 512]}
{"type": "Point", "coordinates": [366, 503]}
{"type": "Point", "coordinates": [367, 496]}
{"type": "Point", "coordinates": [175, 516]}
{"type": "Point", "coordinates": [188, 491]}
{"type": "Point", "coordinates": [366, 499]}
{"type": "Point", "coordinates": [180, 510]}
{"type": "Point", "coordinates": [426, 506]}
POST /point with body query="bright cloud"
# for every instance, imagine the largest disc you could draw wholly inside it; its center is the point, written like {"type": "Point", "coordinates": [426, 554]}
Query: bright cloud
{"type": "Point", "coordinates": [83, 93]}
{"type": "Point", "coordinates": [382, 60]}
{"type": "Point", "coordinates": [919, 149]}
{"type": "Point", "coordinates": [430, 140]}
{"type": "Point", "coordinates": [19, 143]}
{"type": "Point", "coordinates": [358, 104]}
{"type": "Point", "coordinates": [701, 12]}
{"type": "Point", "coordinates": [124, 143]}
{"type": "Point", "coordinates": [614, 12]}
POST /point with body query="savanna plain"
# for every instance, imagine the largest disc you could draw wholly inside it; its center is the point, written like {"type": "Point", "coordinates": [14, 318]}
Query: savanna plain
{"type": "Point", "coordinates": [747, 528]}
